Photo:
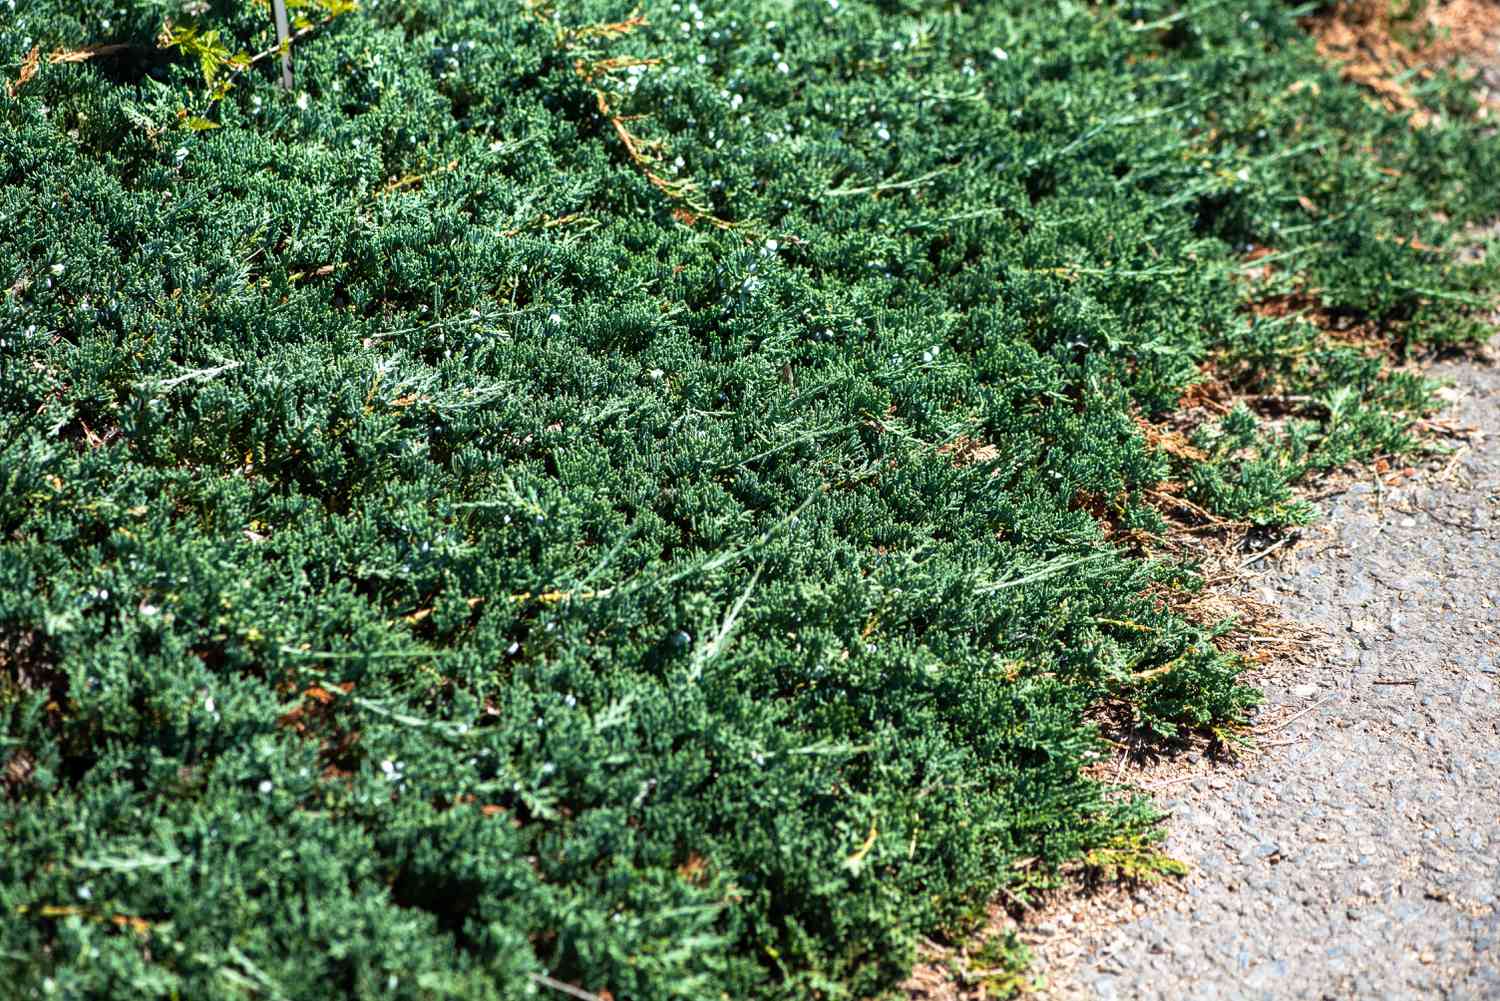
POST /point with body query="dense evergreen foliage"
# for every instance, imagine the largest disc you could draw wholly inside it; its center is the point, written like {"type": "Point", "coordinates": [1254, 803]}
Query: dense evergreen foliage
{"type": "Point", "coordinates": [624, 499]}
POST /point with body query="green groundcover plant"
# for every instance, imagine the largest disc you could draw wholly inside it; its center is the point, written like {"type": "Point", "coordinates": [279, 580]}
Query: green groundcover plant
{"type": "Point", "coordinates": [579, 495]}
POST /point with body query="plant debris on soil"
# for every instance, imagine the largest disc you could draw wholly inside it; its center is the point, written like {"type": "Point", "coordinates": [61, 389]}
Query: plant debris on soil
{"type": "Point", "coordinates": [1395, 49]}
{"type": "Point", "coordinates": [657, 502]}
{"type": "Point", "coordinates": [1353, 851]}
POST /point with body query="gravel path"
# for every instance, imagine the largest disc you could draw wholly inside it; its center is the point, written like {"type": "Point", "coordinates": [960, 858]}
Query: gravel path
{"type": "Point", "coordinates": [1358, 855]}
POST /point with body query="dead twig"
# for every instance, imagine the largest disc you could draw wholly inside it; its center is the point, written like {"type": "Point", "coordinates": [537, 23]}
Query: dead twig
{"type": "Point", "coordinates": [1187, 505]}
{"type": "Point", "coordinates": [1264, 553]}
{"type": "Point", "coordinates": [1446, 428]}
{"type": "Point", "coordinates": [552, 983]}
{"type": "Point", "coordinates": [1180, 780]}
{"type": "Point", "coordinates": [86, 52]}
{"type": "Point", "coordinates": [28, 70]}
{"type": "Point", "coordinates": [1283, 723]}
{"type": "Point", "coordinates": [1447, 472]}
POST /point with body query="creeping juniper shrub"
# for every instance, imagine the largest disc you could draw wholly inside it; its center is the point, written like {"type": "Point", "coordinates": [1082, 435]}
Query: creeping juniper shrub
{"type": "Point", "coordinates": [613, 496]}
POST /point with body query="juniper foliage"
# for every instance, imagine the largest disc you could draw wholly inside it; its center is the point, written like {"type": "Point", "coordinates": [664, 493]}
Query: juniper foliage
{"type": "Point", "coordinates": [617, 497]}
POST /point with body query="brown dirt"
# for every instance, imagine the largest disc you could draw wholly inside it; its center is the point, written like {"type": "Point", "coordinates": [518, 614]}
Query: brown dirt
{"type": "Point", "coordinates": [1378, 43]}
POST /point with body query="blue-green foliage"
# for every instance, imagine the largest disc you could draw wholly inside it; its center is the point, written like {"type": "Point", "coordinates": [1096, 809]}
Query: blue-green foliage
{"type": "Point", "coordinates": [435, 552]}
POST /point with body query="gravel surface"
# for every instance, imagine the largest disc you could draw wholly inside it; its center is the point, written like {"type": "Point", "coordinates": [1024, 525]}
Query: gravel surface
{"type": "Point", "coordinates": [1357, 854]}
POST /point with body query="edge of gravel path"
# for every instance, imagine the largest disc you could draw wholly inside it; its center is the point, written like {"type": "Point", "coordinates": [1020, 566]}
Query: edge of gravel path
{"type": "Point", "coordinates": [1354, 852]}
